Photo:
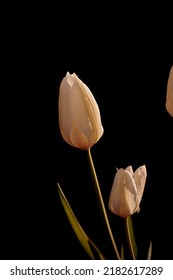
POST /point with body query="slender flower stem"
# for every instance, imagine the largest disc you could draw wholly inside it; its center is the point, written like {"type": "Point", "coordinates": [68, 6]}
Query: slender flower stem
{"type": "Point", "coordinates": [101, 202]}
{"type": "Point", "coordinates": [129, 238]}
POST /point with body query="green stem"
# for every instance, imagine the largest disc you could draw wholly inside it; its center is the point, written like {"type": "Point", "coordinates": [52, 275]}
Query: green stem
{"type": "Point", "coordinates": [101, 202]}
{"type": "Point", "coordinates": [129, 238]}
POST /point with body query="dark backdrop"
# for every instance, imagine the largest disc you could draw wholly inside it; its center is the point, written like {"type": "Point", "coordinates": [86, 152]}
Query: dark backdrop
{"type": "Point", "coordinates": [125, 61]}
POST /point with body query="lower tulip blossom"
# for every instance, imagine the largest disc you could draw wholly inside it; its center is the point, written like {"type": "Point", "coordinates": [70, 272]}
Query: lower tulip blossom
{"type": "Point", "coordinates": [79, 115]}
{"type": "Point", "coordinates": [169, 94]}
{"type": "Point", "coordinates": [127, 191]}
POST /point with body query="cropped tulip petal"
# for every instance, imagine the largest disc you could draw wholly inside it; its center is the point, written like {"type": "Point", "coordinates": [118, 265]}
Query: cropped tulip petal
{"type": "Point", "coordinates": [169, 94]}
{"type": "Point", "coordinates": [79, 115]}
{"type": "Point", "coordinates": [127, 191]}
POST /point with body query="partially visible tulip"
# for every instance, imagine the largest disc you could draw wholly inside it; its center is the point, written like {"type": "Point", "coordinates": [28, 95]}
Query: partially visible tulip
{"type": "Point", "coordinates": [169, 94]}
{"type": "Point", "coordinates": [79, 115]}
{"type": "Point", "coordinates": [127, 191]}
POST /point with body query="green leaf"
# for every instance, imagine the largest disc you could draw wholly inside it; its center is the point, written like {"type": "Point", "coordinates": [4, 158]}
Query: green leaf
{"type": "Point", "coordinates": [149, 251]}
{"type": "Point", "coordinates": [131, 237]}
{"type": "Point", "coordinates": [122, 252]}
{"type": "Point", "coordinates": [86, 242]}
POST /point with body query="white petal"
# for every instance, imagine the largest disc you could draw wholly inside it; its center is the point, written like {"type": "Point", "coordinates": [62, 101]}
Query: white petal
{"type": "Point", "coordinates": [80, 109]}
{"type": "Point", "coordinates": [130, 191]}
{"type": "Point", "coordinates": [140, 179]}
{"type": "Point", "coordinates": [70, 79]}
{"type": "Point", "coordinates": [96, 118]}
{"type": "Point", "coordinates": [122, 200]}
{"type": "Point", "coordinates": [94, 110]}
{"type": "Point", "coordinates": [130, 169]}
{"type": "Point", "coordinates": [169, 94]}
{"type": "Point", "coordinates": [64, 107]}
{"type": "Point", "coordinates": [85, 112]}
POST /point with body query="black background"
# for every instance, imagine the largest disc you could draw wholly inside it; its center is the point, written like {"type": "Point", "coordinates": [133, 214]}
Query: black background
{"type": "Point", "coordinates": [124, 56]}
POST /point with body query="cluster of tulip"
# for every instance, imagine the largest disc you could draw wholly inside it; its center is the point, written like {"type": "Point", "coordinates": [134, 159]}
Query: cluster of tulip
{"type": "Point", "coordinates": [81, 127]}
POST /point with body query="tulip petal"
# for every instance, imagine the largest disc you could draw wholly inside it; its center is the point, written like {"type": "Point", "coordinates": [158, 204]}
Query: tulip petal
{"type": "Point", "coordinates": [80, 114]}
{"type": "Point", "coordinates": [130, 169]}
{"type": "Point", "coordinates": [122, 199]}
{"type": "Point", "coordinates": [95, 114]}
{"type": "Point", "coordinates": [78, 139]}
{"type": "Point", "coordinates": [84, 111]}
{"type": "Point", "coordinates": [130, 191]}
{"type": "Point", "coordinates": [94, 109]}
{"type": "Point", "coordinates": [70, 79]}
{"type": "Point", "coordinates": [140, 178]}
{"type": "Point", "coordinates": [169, 94]}
{"type": "Point", "coordinates": [65, 119]}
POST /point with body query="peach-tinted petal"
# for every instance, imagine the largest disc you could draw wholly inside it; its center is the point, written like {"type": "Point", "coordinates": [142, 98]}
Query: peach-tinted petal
{"type": "Point", "coordinates": [140, 179]}
{"type": "Point", "coordinates": [130, 169]}
{"type": "Point", "coordinates": [169, 94]}
{"type": "Point", "coordinates": [122, 200]}
{"type": "Point", "coordinates": [79, 139]}
{"type": "Point", "coordinates": [64, 106]}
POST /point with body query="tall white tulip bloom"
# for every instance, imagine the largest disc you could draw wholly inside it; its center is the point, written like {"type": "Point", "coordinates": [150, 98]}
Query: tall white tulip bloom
{"type": "Point", "coordinates": [169, 94]}
{"type": "Point", "coordinates": [127, 191]}
{"type": "Point", "coordinates": [79, 114]}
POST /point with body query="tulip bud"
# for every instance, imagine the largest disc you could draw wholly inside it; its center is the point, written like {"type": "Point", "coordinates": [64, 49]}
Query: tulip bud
{"type": "Point", "coordinates": [127, 191]}
{"type": "Point", "coordinates": [169, 94]}
{"type": "Point", "coordinates": [79, 115]}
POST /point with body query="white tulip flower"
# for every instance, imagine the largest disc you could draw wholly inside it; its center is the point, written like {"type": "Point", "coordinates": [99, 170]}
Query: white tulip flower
{"type": "Point", "coordinates": [127, 191]}
{"type": "Point", "coordinates": [169, 94]}
{"type": "Point", "coordinates": [79, 115]}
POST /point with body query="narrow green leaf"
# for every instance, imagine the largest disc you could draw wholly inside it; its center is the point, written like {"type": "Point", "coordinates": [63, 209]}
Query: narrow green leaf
{"type": "Point", "coordinates": [86, 242]}
{"type": "Point", "coordinates": [122, 252]}
{"type": "Point", "coordinates": [131, 237]}
{"type": "Point", "coordinates": [149, 251]}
